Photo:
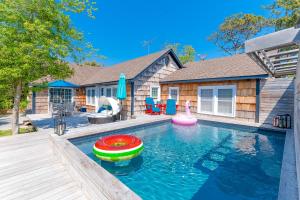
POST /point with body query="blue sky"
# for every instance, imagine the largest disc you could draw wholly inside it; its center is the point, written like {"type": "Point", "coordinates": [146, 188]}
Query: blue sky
{"type": "Point", "coordinates": [121, 26]}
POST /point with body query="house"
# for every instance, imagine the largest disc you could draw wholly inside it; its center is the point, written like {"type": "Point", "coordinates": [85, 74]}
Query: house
{"type": "Point", "coordinates": [226, 86]}
{"type": "Point", "coordinates": [235, 86]}
{"type": "Point", "coordinates": [143, 75]}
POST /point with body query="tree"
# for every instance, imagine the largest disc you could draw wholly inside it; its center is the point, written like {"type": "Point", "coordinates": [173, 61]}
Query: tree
{"type": "Point", "coordinates": [36, 36]}
{"type": "Point", "coordinates": [238, 28]}
{"type": "Point", "coordinates": [235, 30]}
{"type": "Point", "coordinates": [185, 54]}
{"type": "Point", "coordinates": [285, 13]}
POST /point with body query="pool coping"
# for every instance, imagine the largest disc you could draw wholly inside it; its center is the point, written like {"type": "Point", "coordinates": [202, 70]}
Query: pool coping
{"type": "Point", "coordinates": [95, 181]}
{"type": "Point", "coordinates": [288, 186]}
{"type": "Point", "coordinates": [122, 188]}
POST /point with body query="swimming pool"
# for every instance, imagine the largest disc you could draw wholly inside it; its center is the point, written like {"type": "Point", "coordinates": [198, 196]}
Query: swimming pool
{"type": "Point", "coordinates": [207, 161]}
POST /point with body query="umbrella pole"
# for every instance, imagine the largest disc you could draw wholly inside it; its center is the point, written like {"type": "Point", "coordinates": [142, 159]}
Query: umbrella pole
{"type": "Point", "coordinates": [121, 110]}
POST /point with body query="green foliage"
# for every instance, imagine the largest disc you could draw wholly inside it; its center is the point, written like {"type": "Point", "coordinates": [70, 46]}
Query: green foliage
{"type": "Point", "coordinates": [185, 54]}
{"type": "Point", "coordinates": [233, 32]}
{"type": "Point", "coordinates": [285, 13]}
{"type": "Point", "coordinates": [36, 37]}
{"type": "Point", "coordinates": [6, 99]}
{"type": "Point", "coordinates": [238, 28]}
{"type": "Point", "coordinates": [92, 63]}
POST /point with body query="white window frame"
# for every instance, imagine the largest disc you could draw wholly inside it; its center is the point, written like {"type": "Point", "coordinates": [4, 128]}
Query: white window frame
{"type": "Point", "coordinates": [158, 91]}
{"type": "Point", "coordinates": [87, 97]}
{"type": "Point", "coordinates": [174, 88]}
{"type": "Point", "coordinates": [72, 97]}
{"type": "Point", "coordinates": [107, 87]}
{"type": "Point", "coordinates": [215, 100]}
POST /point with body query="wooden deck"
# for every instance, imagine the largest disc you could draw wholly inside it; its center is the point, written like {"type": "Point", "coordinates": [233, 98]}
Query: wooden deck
{"type": "Point", "coordinates": [29, 169]}
{"type": "Point", "coordinates": [42, 166]}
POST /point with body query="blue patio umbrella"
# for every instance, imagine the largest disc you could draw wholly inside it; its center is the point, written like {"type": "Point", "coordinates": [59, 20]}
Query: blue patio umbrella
{"type": "Point", "coordinates": [62, 84]}
{"type": "Point", "coordinates": [121, 91]}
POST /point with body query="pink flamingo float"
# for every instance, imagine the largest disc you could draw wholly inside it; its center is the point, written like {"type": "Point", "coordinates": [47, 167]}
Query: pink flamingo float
{"type": "Point", "coordinates": [187, 119]}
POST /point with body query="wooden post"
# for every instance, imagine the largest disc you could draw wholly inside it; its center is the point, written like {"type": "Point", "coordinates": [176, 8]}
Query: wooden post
{"type": "Point", "coordinates": [257, 103]}
{"type": "Point", "coordinates": [132, 98]}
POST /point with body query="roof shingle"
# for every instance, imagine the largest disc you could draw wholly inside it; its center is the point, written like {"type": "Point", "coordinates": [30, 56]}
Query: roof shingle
{"type": "Point", "coordinates": [92, 75]}
{"type": "Point", "coordinates": [240, 65]}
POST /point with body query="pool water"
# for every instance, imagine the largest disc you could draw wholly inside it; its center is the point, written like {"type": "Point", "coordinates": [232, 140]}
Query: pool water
{"type": "Point", "coordinates": [208, 161]}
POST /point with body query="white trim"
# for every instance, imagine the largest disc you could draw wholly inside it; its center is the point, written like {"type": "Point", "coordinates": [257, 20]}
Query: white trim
{"type": "Point", "coordinates": [174, 88]}
{"type": "Point", "coordinates": [215, 100]}
{"type": "Point", "coordinates": [86, 96]}
{"type": "Point", "coordinates": [158, 92]}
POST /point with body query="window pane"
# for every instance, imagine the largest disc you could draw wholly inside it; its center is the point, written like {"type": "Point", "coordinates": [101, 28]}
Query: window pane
{"type": "Point", "coordinates": [207, 100]}
{"type": "Point", "coordinates": [102, 92]}
{"type": "Point", "coordinates": [225, 94]}
{"type": "Point", "coordinates": [173, 94]}
{"type": "Point", "coordinates": [225, 101]}
{"type": "Point", "coordinates": [93, 97]}
{"type": "Point", "coordinates": [154, 92]}
{"type": "Point", "coordinates": [114, 92]}
{"type": "Point", "coordinates": [108, 92]}
{"type": "Point", "coordinates": [225, 107]}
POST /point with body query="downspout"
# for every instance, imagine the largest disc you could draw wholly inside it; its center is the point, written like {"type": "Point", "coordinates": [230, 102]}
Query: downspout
{"type": "Point", "coordinates": [132, 98]}
{"type": "Point", "coordinates": [257, 107]}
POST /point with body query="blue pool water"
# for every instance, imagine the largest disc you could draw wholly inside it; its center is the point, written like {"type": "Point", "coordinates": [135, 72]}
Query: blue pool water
{"type": "Point", "coordinates": [208, 161]}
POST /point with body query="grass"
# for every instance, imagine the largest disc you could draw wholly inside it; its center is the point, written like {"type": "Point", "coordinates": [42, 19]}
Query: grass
{"type": "Point", "coordinates": [21, 130]}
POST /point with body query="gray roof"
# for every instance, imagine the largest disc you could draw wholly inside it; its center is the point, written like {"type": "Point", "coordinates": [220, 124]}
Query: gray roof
{"type": "Point", "coordinates": [93, 75]}
{"type": "Point", "coordinates": [229, 68]}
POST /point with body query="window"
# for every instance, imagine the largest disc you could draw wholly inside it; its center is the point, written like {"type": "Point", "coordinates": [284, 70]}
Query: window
{"type": "Point", "coordinates": [225, 101]}
{"type": "Point", "coordinates": [102, 92]}
{"type": "Point", "coordinates": [114, 93]}
{"type": "Point", "coordinates": [90, 96]}
{"type": "Point", "coordinates": [155, 93]}
{"type": "Point", "coordinates": [108, 92]}
{"type": "Point", "coordinates": [174, 93]}
{"type": "Point", "coordinates": [207, 100]}
{"type": "Point", "coordinates": [60, 95]}
{"type": "Point", "coordinates": [217, 100]}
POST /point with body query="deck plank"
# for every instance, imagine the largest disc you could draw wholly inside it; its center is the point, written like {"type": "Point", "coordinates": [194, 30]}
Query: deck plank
{"type": "Point", "coordinates": [29, 169]}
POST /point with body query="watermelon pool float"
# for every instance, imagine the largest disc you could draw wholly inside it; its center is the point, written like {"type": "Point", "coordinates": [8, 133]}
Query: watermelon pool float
{"type": "Point", "coordinates": [118, 147]}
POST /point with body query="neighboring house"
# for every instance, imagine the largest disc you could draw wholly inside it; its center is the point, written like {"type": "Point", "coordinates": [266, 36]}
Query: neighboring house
{"type": "Point", "coordinates": [143, 75]}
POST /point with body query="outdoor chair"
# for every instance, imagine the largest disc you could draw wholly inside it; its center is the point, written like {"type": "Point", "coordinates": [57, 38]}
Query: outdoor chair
{"type": "Point", "coordinates": [171, 107]}
{"type": "Point", "coordinates": [151, 107]}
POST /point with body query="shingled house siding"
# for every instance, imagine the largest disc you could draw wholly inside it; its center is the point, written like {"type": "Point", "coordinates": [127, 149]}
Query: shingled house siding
{"type": "Point", "coordinates": [245, 96]}
{"type": "Point", "coordinates": [80, 100]}
{"type": "Point", "coordinates": [41, 102]}
{"type": "Point", "coordinates": [79, 97]}
{"type": "Point", "coordinates": [150, 77]}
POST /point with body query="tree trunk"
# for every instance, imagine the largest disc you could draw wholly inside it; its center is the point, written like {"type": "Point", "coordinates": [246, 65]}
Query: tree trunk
{"type": "Point", "coordinates": [16, 108]}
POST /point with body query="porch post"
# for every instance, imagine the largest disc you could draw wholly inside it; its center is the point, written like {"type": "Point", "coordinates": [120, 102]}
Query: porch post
{"type": "Point", "coordinates": [132, 98]}
{"type": "Point", "coordinates": [257, 108]}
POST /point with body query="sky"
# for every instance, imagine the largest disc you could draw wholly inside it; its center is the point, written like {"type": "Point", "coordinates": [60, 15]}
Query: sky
{"type": "Point", "coordinates": [121, 26]}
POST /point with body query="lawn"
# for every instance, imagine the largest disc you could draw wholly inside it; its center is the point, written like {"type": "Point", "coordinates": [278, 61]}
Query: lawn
{"type": "Point", "coordinates": [22, 130]}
